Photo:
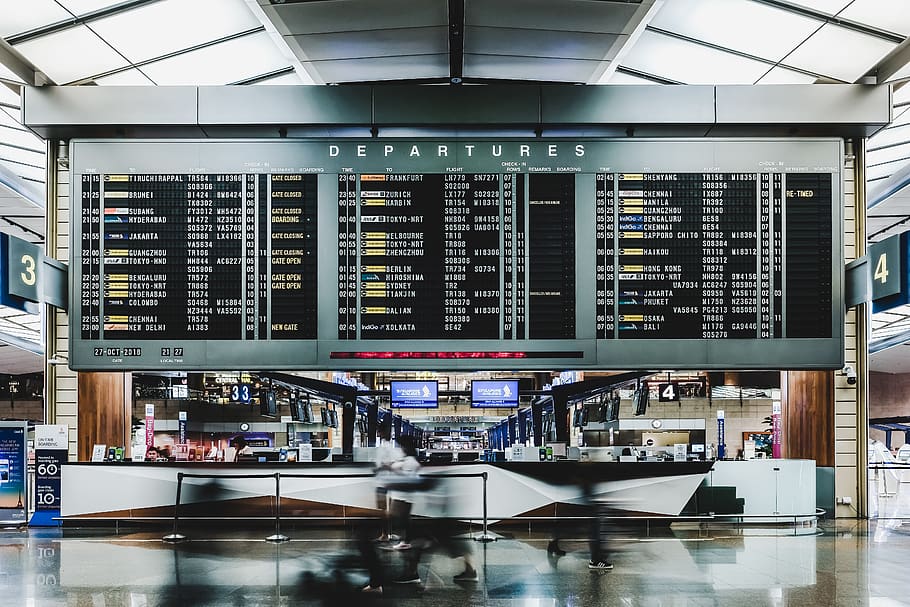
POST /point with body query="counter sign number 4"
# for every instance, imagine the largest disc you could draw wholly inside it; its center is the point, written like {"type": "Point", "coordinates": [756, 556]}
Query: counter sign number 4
{"type": "Point", "coordinates": [881, 268]}
{"type": "Point", "coordinates": [668, 392]}
{"type": "Point", "coordinates": [887, 266]}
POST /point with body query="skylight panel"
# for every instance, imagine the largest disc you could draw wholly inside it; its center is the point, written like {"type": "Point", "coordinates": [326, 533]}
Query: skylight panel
{"type": "Point", "coordinates": [691, 63]}
{"type": "Point", "coordinates": [20, 16]}
{"type": "Point", "coordinates": [888, 15]}
{"type": "Point", "coordinates": [71, 54]}
{"type": "Point", "coordinates": [161, 28]}
{"type": "Point", "coordinates": [223, 63]}
{"type": "Point", "coordinates": [741, 25]}
{"type": "Point", "coordinates": [781, 75]}
{"type": "Point", "coordinates": [839, 52]}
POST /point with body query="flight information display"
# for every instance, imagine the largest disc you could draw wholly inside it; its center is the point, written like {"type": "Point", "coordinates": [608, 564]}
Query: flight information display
{"type": "Point", "coordinates": [186, 257]}
{"type": "Point", "coordinates": [425, 254]}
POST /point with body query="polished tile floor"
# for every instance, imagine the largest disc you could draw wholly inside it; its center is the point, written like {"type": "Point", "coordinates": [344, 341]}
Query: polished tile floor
{"type": "Point", "coordinates": [840, 563]}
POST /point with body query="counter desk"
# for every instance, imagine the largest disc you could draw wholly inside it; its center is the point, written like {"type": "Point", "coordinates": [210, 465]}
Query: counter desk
{"type": "Point", "coordinates": [145, 490]}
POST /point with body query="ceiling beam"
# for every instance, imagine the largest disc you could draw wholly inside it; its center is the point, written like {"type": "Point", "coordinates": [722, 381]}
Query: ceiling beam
{"type": "Point", "coordinates": [26, 189]}
{"type": "Point", "coordinates": [22, 344]}
{"type": "Point", "coordinates": [892, 63]}
{"type": "Point", "coordinates": [456, 41]}
{"type": "Point", "coordinates": [21, 66]}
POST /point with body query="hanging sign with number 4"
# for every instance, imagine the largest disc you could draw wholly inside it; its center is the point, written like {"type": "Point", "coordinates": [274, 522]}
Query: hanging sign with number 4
{"type": "Point", "coordinates": [888, 265]}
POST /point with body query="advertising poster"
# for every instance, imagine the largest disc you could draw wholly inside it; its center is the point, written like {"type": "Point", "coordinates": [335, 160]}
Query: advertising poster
{"type": "Point", "coordinates": [51, 452]}
{"type": "Point", "coordinates": [721, 439]}
{"type": "Point", "coordinates": [13, 491]}
{"type": "Point", "coordinates": [775, 430]}
{"type": "Point", "coordinates": [181, 427]}
{"type": "Point", "coordinates": [149, 426]}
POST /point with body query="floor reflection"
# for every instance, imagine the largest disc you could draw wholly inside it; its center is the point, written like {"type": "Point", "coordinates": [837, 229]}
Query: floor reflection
{"type": "Point", "coordinates": [847, 563]}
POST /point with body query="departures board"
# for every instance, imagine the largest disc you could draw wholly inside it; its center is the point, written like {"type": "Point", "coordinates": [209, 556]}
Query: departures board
{"type": "Point", "coordinates": [456, 254]}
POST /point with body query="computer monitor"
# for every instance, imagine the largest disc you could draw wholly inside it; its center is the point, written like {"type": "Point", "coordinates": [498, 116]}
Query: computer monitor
{"type": "Point", "coordinates": [640, 400]}
{"type": "Point", "coordinates": [613, 408]}
{"type": "Point", "coordinates": [306, 413]}
{"type": "Point", "coordinates": [268, 404]}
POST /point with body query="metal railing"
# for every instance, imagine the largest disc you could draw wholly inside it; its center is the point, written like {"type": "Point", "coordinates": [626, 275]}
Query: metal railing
{"type": "Point", "coordinates": [277, 536]}
{"type": "Point", "coordinates": [174, 536]}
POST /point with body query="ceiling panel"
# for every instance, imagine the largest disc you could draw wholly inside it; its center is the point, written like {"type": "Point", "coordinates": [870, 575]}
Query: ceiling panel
{"type": "Point", "coordinates": [890, 136]}
{"type": "Point", "coordinates": [746, 25]}
{"type": "Point", "coordinates": [140, 33]}
{"type": "Point", "coordinates": [888, 154]}
{"type": "Point", "coordinates": [892, 360]}
{"type": "Point", "coordinates": [539, 43]}
{"type": "Point", "coordinates": [623, 78]}
{"type": "Point", "coordinates": [528, 68]}
{"type": "Point", "coordinates": [8, 96]}
{"type": "Point", "coordinates": [889, 15]}
{"type": "Point", "coordinates": [19, 16]}
{"type": "Point", "coordinates": [56, 56]}
{"type": "Point", "coordinates": [382, 68]}
{"type": "Point", "coordinates": [354, 15]}
{"type": "Point", "coordinates": [781, 75]}
{"type": "Point", "coordinates": [7, 74]}
{"type": "Point", "coordinates": [839, 52]}
{"type": "Point", "coordinates": [875, 171]}
{"type": "Point", "coordinates": [902, 94]}
{"type": "Point", "coordinates": [374, 43]}
{"type": "Point", "coordinates": [690, 63]}
{"type": "Point", "coordinates": [84, 7]}
{"type": "Point", "coordinates": [16, 362]}
{"type": "Point", "coordinates": [830, 7]}
{"type": "Point", "coordinates": [290, 78]}
{"type": "Point", "coordinates": [222, 63]}
{"type": "Point", "coordinates": [567, 15]}
{"type": "Point", "coordinates": [131, 77]}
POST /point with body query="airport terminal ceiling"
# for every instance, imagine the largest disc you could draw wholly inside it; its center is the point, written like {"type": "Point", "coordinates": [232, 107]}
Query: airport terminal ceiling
{"type": "Point", "coordinates": [436, 254]}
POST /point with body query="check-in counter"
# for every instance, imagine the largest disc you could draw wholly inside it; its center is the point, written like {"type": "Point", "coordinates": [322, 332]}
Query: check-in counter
{"type": "Point", "coordinates": [338, 490]}
{"type": "Point", "coordinates": [768, 486]}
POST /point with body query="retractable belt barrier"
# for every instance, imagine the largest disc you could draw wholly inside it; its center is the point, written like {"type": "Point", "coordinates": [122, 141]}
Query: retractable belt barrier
{"type": "Point", "coordinates": [277, 537]}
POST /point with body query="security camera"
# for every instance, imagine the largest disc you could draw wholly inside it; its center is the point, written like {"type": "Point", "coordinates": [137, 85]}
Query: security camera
{"type": "Point", "coordinates": [850, 373]}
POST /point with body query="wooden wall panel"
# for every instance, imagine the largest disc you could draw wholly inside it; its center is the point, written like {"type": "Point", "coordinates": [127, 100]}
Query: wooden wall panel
{"type": "Point", "coordinates": [104, 411]}
{"type": "Point", "coordinates": [807, 409]}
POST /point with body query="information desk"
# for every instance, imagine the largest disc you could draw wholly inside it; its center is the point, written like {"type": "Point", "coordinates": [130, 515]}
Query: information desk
{"type": "Point", "coordinates": [514, 489]}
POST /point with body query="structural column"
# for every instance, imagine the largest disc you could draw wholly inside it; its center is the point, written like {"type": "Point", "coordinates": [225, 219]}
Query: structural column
{"type": "Point", "coordinates": [807, 408]}
{"type": "Point", "coordinates": [105, 411]}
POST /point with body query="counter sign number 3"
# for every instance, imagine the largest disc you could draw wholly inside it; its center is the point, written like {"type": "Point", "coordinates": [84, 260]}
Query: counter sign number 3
{"type": "Point", "coordinates": [21, 280]}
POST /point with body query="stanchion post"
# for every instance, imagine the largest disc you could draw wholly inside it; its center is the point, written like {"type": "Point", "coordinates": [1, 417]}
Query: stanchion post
{"type": "Point", "coordinates": [277, 537]}
{"type": "Point", "coordinates": [485, 536]}
{"type": "Point", "coordinates": [174, 536]}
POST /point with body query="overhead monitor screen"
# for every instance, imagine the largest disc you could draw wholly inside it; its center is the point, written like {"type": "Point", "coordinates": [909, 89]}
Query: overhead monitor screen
{"type": "Point", "coordinates": [427, 254]}
{"type": "Point", "coordinates": [414, 393]}
{"type": "Point", "coordinates": [494, 393]}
